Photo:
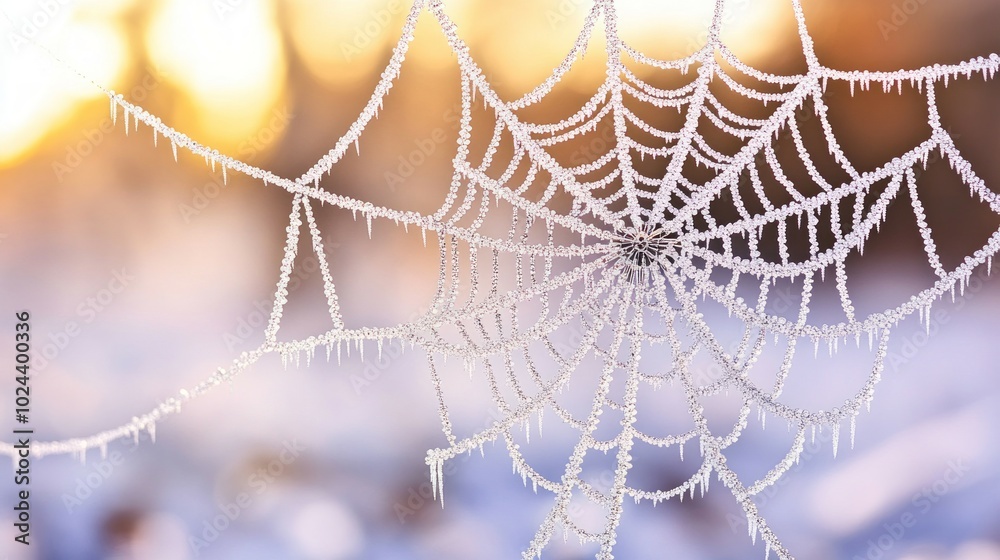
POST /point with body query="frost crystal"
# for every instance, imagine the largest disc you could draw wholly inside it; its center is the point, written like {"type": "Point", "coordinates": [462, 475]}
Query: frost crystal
{"type": "Point", "coordinates": [652, 252]}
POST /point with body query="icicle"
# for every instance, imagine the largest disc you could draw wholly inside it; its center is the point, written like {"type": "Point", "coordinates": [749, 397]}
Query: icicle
{"type": "Point", "coordinates": [434, 479]}
{"type": "Point", "coordinates": [173, 147]}
{"type": "Point", "coordinates": [854, 423]}
{"type": "Point", "coordinates": [836, 437]}
{"type": "Point", "coordinates": [440, 482]}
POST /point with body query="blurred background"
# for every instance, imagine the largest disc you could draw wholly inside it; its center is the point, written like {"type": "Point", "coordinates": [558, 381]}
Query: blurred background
{"type": "Point", "coordinates": [143, 275]}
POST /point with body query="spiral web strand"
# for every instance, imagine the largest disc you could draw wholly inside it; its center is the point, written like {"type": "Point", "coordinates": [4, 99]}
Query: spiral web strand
{"type": "Point", "coordinates": [653, 252]}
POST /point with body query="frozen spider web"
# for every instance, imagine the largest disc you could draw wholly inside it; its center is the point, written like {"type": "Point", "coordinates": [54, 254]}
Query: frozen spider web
{"type": "Point", "coordinates": [630, 263]}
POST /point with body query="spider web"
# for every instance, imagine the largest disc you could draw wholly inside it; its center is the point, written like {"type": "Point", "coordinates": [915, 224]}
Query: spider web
{"type": "Point", "coordinates": [631, 263]}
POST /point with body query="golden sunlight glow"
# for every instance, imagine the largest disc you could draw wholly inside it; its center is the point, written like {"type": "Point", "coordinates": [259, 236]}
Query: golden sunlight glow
{"type": "Point", "coordinates": [227, 58]}
{"type": "Point", "coordinates": [341, 41]}
{"type": "Point", "coordinates": [98, 51]}
{"type": "Point", "coordinates": [747, 25]}
{"type": "Point", "coordinates": [432, 51]}
{"type": "Point", "coordinates": [519, 42]}
{"type": "Point", "coordinates": [46, 94]}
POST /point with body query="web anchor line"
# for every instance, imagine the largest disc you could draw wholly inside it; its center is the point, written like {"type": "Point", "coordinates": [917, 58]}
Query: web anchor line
{"type": "Point", "coordinates": [654, 254]}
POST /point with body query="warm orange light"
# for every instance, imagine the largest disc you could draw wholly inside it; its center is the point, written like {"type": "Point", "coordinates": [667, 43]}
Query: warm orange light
{"type": "Point", "coordinates": [45, 93]}
{"type": "Point", "coordinates": [675, 28]}
{"type": "Point", "coordinates": [228, 56]}
{"type": "Point", "coordinates": [341, 41]}
{"type": "Point", "coordinates": [228, 59]}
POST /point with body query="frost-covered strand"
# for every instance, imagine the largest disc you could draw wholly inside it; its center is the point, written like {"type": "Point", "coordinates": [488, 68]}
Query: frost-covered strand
{"type": "Point", "coordinates": [872, 323]}
{"type": "Point", "coordinates": [582, 114]}
{"type": "Point", "coordinates": [366, 209]}
{"type": "Point", "coordinates": [738, 378]}
{"type": "Point", "coordinates": [987, 67]}
{"type": "Point", "coordinates": [558, 513]}
{"type": "Point", "coordinates": [413, 331]}
{"type": "Point", "coordinates": [328, 288]}
{"type": "Point", "coordinates": [172, 405]}
{"type": "Point", "coordinates": [370, 111]}
{"type": "Point", "coordinates": [139, 424]}
{"type": "Point", "coordinates": [525, 410]}
{"type": "Point", "coordinates": [623, 458]}
{"type": "Point", "coordinates": [521, 136]}
{"type": "Point", "coordinates": [577, 51]}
